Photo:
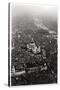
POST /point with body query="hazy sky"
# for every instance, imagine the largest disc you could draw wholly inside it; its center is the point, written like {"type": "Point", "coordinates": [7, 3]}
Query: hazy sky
{"type": "Point", "coordinates": [34, 10]}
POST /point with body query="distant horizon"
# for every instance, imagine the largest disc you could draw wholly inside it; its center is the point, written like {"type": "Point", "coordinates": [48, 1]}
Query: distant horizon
{"type": "Point", "coordinates": [26, 14]}
{"type": "Point", "coordinates": [34, 10]}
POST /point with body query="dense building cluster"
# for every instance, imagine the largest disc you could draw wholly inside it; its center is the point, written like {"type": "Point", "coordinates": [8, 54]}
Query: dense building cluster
{"type": "Point", "coordinates": [36, 55]}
